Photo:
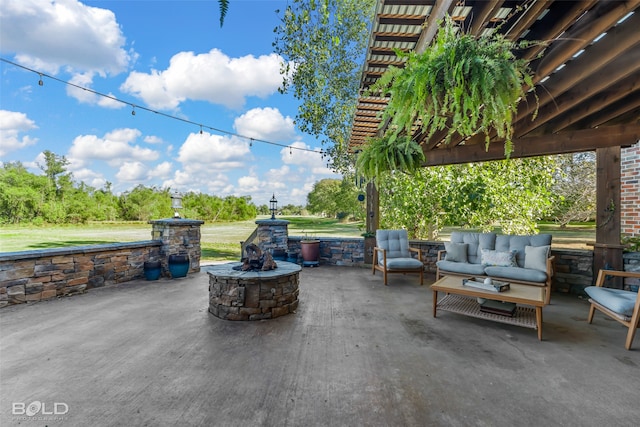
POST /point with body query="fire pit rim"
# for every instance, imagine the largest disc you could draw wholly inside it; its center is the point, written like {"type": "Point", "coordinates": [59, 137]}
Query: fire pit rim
{"type": "Point", "coordinates": [226, 270]}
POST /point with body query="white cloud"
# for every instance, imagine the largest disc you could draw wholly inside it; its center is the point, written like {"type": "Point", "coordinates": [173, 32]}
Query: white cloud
{"type": "Point", "coordinates": [213, 77]}
{"type": "Point", "coordinates": [152, 139]}
{"type": "Point", "coordinates": [91, 177]}
{"type": "Point", "coordinates": [204, 152]}
{"type": "Point", "coordinates": [114, 148]}
{"type": "Point", "coordinates": [12, 123]}
{"type": "Point", "coordinates": [306, 158]}
{"type": "Point", "coordinates": [163, 170]}
{"type": "Point", "coordinates": [266, 124]}
{"type": "Point", "coordinates": [132, 172]}
{"type": "Point", "coordinates": [66, 33]}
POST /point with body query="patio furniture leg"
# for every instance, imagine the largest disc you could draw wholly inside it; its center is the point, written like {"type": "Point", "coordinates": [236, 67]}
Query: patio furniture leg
{"type": "Point", "coordinates": [539, 322]}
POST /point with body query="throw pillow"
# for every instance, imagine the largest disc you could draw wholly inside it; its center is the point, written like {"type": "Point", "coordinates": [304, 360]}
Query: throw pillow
{"type": "Point", "coordinates": [456, 252]}
{"type": "Point", "coordinates": [535, 257]}
{"type": "Point", "coordinates": [498, 258]}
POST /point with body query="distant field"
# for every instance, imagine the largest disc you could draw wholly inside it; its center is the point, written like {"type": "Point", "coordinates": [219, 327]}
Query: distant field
{"type": "Point", "coordinates": [221, 241]}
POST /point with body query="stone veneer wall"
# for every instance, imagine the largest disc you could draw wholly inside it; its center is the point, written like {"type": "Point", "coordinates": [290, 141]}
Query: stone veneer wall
{"type": "Point", "coordinates": [178, 237]}
{"type": "Point", "coordinates": [630, 190]}
{"type": "Point", "coordinates": [632, 263]}
{"type": "Point", "coordinates": [272, 234]}
{"type": "Point", "coordinates": [335, 250]}
{"type": "Point", "coordinates": [29, 276]}
{"type": "Point", "coordinates": [573, 267]}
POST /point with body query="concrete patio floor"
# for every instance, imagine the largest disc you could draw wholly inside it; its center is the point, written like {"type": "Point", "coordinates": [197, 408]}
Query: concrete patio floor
{"type": "Point", "coordinates": [356, 353]}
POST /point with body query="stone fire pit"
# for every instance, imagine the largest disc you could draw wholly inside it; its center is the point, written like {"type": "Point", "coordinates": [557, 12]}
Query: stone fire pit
{"type": "Point", "coordinates": [253, 295]}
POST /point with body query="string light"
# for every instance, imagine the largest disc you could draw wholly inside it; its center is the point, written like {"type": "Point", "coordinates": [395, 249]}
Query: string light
{"type": "Point", "coordinates": [140, 107]}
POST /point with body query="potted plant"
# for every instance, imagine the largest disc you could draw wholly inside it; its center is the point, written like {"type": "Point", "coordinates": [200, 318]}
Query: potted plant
{"type": "Point", "coordinates": [310, 250]}
{"type": "Point", "coordinates": [461, 84]}
{"type": "Point", "coordinates": [385, 154]}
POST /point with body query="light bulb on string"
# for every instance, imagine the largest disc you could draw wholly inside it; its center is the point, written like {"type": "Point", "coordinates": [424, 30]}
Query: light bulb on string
{"type": "Point", "coordinates": [169, 116]}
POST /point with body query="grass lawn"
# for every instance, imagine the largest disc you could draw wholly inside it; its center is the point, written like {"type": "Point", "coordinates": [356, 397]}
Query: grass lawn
{"type": "Point", "coordinates": [221, 241]}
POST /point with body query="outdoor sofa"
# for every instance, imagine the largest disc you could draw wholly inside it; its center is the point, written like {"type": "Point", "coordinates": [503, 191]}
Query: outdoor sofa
{"type": "Point", "coordinates": [524, 260]}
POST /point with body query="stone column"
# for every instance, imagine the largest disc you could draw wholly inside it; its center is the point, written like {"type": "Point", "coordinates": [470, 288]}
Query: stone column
{"type": "Point", "coordinates": [179, 236]}
{"type": "Point", "coordinates": [273, 234]}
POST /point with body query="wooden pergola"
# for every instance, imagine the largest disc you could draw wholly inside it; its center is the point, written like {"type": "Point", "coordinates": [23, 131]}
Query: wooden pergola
{"type": "Point", "coordinates": [587, 80]}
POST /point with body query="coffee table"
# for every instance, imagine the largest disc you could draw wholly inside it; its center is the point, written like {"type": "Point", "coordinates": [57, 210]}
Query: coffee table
{"type": "Point", "coordinates": [463, 300]}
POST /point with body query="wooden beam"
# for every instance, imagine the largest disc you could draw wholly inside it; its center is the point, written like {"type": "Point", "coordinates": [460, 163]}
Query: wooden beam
{"type": "Point", "coordinates": [599, 102]}
{"type": "Point", "coordinates": [439, 10]}
{"type": "Point", "coordinates": [527, 18]}
{"type": "Point", "coordinates": [619, 40]}
{"type": "Point", "coordinates": [595, 83]}
{"type": "Point", "coordinates": [607, 252]}
{"type": "Point", "coordinates": [562, 143]}
{"type": "Point", "coordinates": [598, 20]}
{"type": "Point", "coordinates": [478, 19]}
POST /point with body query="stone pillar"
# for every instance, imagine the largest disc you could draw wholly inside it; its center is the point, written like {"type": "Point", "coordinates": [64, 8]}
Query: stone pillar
{"type": "Point", "coordinates": [179, 236]}
{"type": "Point", "coordinates": [273, 234]}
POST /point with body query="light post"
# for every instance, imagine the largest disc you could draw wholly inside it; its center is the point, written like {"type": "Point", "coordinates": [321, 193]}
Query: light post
{"type": "Point", "coordinates": [273, 206]}
{"type": "Point", "coordinates": [176, 203]}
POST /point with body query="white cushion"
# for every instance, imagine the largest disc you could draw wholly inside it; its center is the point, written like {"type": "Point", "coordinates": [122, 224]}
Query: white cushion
{"type": "Point", "coordinates": [498, 258]}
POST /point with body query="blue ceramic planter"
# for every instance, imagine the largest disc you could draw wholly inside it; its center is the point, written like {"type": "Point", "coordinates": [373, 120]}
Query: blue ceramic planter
{"type": "Point", "coordinates": [178, 265]}
{"type": "Point", "coordinates": [152, 270]}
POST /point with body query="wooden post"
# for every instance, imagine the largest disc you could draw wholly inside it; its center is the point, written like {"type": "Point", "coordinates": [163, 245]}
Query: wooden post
{"type": "Point", "coordinates": [373, 208]}
{"type": "Point", "coordinates": [372, 222]}
{"type": "Point", "coordinates": [608, 250]}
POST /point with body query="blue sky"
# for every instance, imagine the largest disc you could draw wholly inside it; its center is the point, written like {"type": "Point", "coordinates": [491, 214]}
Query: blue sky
{"type": "Point", "coordinates": [167, 56]}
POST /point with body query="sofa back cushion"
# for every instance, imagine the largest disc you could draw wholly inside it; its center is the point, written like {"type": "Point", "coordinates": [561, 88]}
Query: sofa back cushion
{"type": "Point", "coordinates": [475, 243]}
{"type": "Point", "coordinates": [506, 242]}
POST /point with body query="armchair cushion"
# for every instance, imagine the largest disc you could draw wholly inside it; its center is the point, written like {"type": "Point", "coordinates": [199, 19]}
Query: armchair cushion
{"type": "Point", "coordinates": [456, 252]}
{"type": "Point", "coordinates": [403, 263]}
{"type": "Point", "coordinates": [616, 300]}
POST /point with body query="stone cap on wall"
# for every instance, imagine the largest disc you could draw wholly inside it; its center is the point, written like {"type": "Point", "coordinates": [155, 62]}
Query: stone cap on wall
{"type": "Point", "coordinates": [38, 253]}
{"type": "Point", "coordinates": [176, 221]}
{"type": "Point", "coordinates": [272, 222]}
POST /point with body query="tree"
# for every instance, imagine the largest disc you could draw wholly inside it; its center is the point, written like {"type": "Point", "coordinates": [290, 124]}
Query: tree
{"type": "Point", "coordinates": [323, 43]}
{"type": "Point", "coordinates": [575, 187]}
{"type": "Point", "coordinates": [511, 194]}
{"type": "Point", "coordinates": [335, 198]}
{"type": "Point", "coordinates": [21, 193]}
{"type": "Point", "coordinates": [322, 198]}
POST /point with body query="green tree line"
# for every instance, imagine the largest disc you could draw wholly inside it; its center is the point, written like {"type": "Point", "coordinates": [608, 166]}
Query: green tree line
{"type": "Point", "coordinates": [55, 198]}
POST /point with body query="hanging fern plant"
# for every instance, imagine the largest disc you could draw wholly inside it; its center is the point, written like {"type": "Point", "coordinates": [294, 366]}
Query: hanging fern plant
{"type": "Point", "coordinates": [385, 154]}
{"type": "Point", "coordinates": [461, 84]}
